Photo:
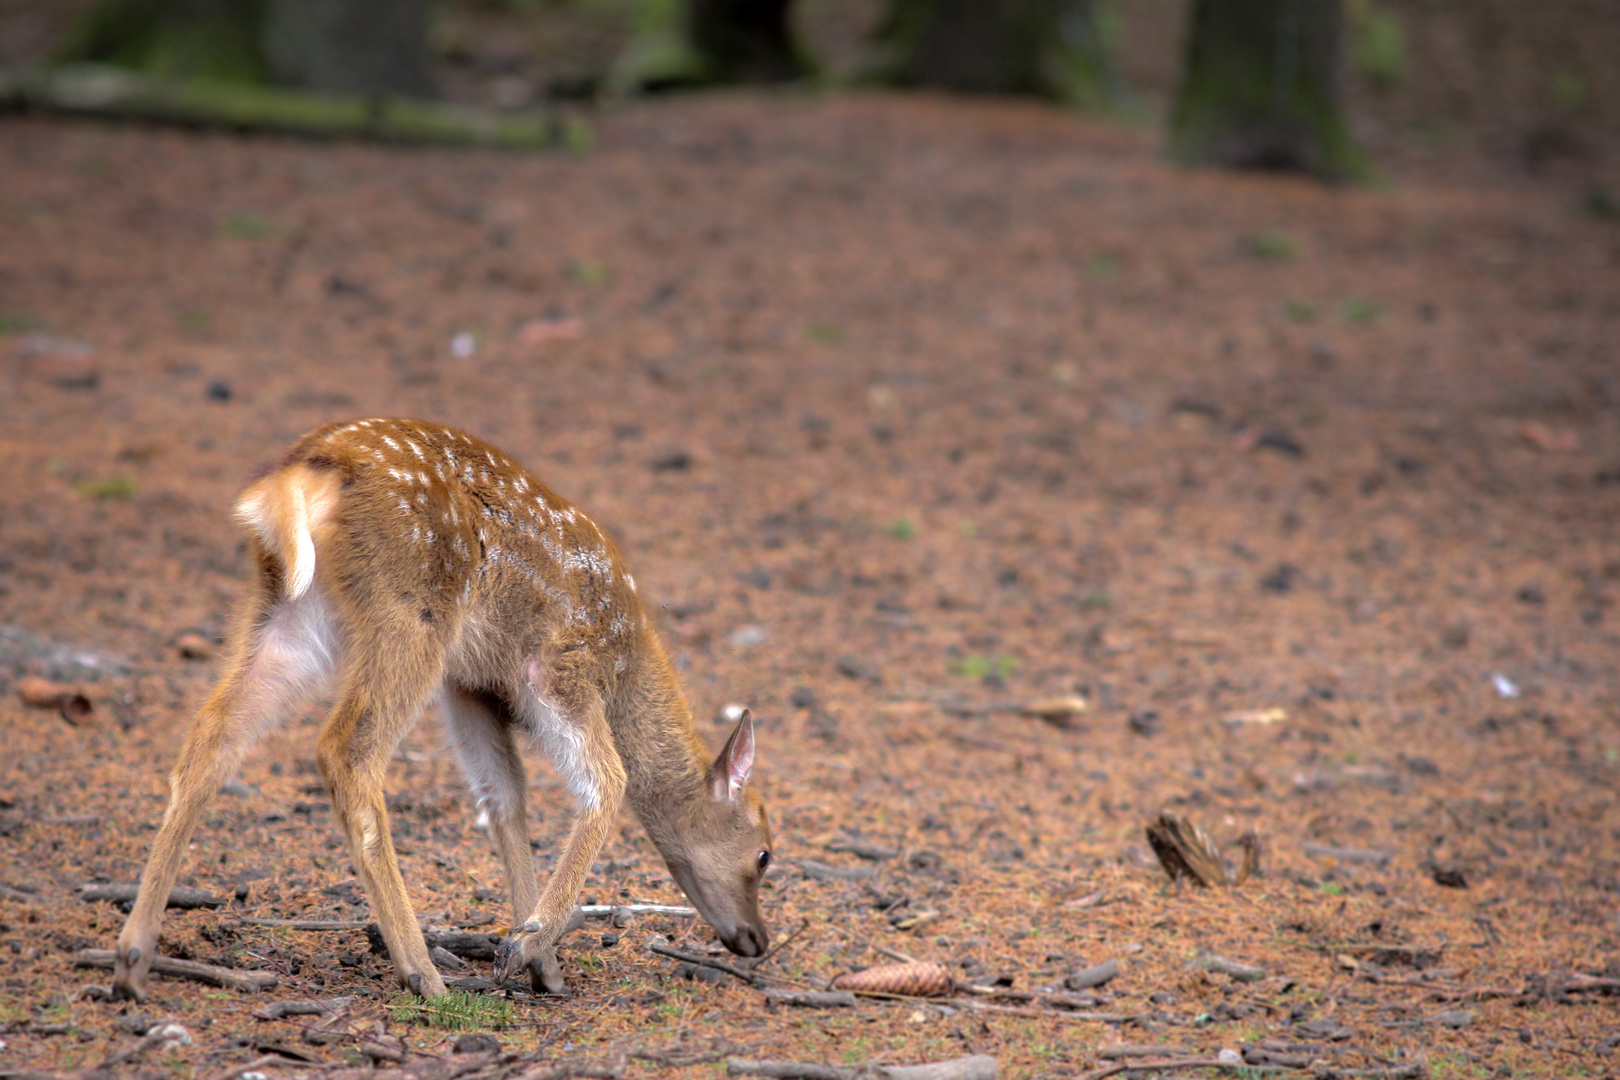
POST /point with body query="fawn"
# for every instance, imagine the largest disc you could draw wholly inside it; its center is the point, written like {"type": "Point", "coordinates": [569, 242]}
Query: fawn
{"type": "Point", "coordinates": [400, 563]}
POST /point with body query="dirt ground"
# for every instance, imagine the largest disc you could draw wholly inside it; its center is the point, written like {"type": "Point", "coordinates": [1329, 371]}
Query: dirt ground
{"type": "Point", "coordinates": [905, 412]}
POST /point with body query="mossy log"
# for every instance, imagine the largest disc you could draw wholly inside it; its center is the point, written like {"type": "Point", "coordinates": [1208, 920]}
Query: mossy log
{"type": "Point", "coordinates": [93, 90]}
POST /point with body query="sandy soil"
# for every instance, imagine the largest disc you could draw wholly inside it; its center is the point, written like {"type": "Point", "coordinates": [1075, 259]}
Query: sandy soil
{"type": "Point", "coordinates": [905, 412]}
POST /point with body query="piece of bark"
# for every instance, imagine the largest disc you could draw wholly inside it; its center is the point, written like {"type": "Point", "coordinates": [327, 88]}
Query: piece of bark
{"type": "Point", "coordinates": [786, 1070]}
{"type": "Point", "coordinates": [280, 1010]}
{"type": "Point", "coordinates": [249, 982]}
{"type": "Point", "coordinates": [1094, 976]}
{"type": "Point", "coordinates": [44, 694]}
{"type": "Point", "coordinates": [861, 849]}
{"type": "Point", "coordinates": [181, 896]}
{"type": "Point", "coordinates": [825, 872]}
{"type": "Point", "coordinates": [812, 999]}
{"type": "Point", "coordinates": [975, 1067]}
{"type": "Point", "coordinates": [1230, 968]}
{"type": "Point", "coordinates": [1248, 857]}
{"type": "Point", "coordinates": [1185, 850]}
{"type": "Point", "coordinates": [1349, 855]}
{"type": "Point", "coordinates": [916, 979]}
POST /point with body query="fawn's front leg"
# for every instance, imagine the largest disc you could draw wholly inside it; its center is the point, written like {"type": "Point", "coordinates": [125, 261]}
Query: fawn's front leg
{"type": "Point", "coordinates": [597, 775]}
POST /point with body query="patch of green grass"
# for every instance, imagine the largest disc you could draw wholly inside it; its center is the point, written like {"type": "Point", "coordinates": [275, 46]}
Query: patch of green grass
{"type": "Point", "coordinates": [1601, 202]}
{"type": "Point", "coordinates": [456, 1011]}
{"type": "Point", "coordinates": [589, 272]}
{"type": "Point", "coordinates": [967, 530]}
{"type": "Point", "coordinates": [824, 333]}
{"type": "Point", "coordinates": [903, 529]}
{"type": "Point", "coordinates": [15, 324]}
{"type": "Point", "coordinates": [1300, 311]}
{"type": "Point", "coordinates": [195, 318]}
{"type": "Point", "coordinates": [975, 666]}
{"type": "Point", "coordinates": [857, 1051]}
{"type": "Point", "coordinates": [117, 486]}
{"type": "Point", "coordinates": [1569, 90]}
{"type": "Point", "coordinates": [1272, 244]}
{"type": "Point", "coordinates": [245, 226]}
{"type": "Point", "coordinates": [1362, 311]}
{"type": "Point", "coordinates": [1332, 888]}
{"type": "Point", "coordinates": [1103, 266]}
{"type": "Point", "coordinates": [1097, 600]}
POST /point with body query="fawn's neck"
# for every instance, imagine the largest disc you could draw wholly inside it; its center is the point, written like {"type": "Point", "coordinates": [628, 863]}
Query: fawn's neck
{"type": "Point", "coordinates": [665, 760]}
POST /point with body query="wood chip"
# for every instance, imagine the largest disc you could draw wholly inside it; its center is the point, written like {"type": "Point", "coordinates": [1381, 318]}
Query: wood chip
{"type": "Point", "coordinates": [1185, 850]}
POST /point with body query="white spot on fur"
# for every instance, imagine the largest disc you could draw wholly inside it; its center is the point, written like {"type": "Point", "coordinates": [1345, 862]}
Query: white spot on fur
{"type": "Point", "coordinates": [392, 445]}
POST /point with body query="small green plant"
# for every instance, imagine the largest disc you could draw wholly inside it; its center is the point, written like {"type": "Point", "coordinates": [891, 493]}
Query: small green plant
{"type": "Point", "coordinates": [857, 1051]}
{"type": "Point", "coordinates": [1097, 600]}
{"type": "Point", "coordinates": [14, 324]}
{"type": "Point", "coordinates": [967, 530]}
{"type": "Point", "coordinates": [117, 486]}
{"type": "Point", "coordinates": [824, 333]}
{"type": "Point", "coordinates": [1569, 90]}
{"type": "Point", "coordinates": [903, 529]}
{"type": "Point", "coordinates": [1600, 202]}
{"type": "Point", "coordinates": [1273, 244]}
{"type": "Point", "coordinates": [1102, 266]}
{"type": "Point", "coordinates": [1332, 888]}
{"type": "Point", "coordinates": [975, 666]}
{"type": "Point", "coordinates": [1362, 311]}
{"type": "Point", "coordinates": [245, 226]}
{"type": "Point", "coordinates": [456, 1011]}
{"type": "Point", "coordinates": [589, 272]}
{"type": "Point", "coordinates": [1300, 311]}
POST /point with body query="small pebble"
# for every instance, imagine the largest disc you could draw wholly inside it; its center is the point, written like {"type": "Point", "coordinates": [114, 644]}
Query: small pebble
{"type": "Point", "coordinates": [219, 390]}
{"type": "Point", "coordinates": [194, 646]}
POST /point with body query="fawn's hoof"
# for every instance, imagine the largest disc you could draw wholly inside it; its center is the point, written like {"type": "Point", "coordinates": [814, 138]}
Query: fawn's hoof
{"type": "Point", "coordinates": [129, 976]}
{"type": "Point", "coordinates": [528, 951]}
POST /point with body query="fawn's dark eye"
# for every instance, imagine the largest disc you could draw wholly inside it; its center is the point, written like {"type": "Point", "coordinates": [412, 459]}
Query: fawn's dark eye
{"type": "Point", "coordinates": [764, 861]}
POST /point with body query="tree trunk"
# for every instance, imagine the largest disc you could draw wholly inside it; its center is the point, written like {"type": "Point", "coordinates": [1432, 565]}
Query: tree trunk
{"type": "Point", "coordinates": [1053, 48]}
{"type": "Point", "coordinates": [745, 40]}
{"type": "Point", "coordinates": [371, 48]}
{"type": "Point", "coordinates": [1261, 88]}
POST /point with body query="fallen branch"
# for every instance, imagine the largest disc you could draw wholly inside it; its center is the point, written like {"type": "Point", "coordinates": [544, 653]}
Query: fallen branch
{"type": "Point", "coordinates": [249, 982]}
{"type": "Point", "coordinates": [179, 897]}
{"type": "Point", "coordinates": [976, 1067]}
{"type": "Point", "coordinates": [1230, 968]}
{"type": "Point", "coordinates": [812, 999]}
{"type": "Point", "coordinates": [702, 961]}
{"type": "Point", "coordinates": [611, 1069]}
{"type": "Point", "coordinates": [1178, 1063]}
{"type": "Point", "coordinates": [280, 1010]}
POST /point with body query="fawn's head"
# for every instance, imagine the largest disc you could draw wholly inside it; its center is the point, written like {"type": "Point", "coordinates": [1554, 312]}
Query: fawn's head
{"type": "Point", "coordinates": [719, 859]}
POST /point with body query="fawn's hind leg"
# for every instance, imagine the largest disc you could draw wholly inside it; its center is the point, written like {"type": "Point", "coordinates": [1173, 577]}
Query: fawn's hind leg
{"type": "Point", "coordinates": [481, 730]}
{"type": "Point", "coordinates": [279, 658]}
{"type": "Point", "coordinates": [389, 675]}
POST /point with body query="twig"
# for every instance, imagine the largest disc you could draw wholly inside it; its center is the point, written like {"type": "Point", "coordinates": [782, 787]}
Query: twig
{"type": "Point", "coordinates": [894, 954]}
{"type": "Point", "coordinates": [780, 943]}
{"type": "Point", "coordinates": [1179, 1063]}
{"type": "Point", "coordinates": [306, 924]}
{"type": "Point", "coordinates": [787, 1070]}
{"type": "Point", "coordinates": [976, 1067]}
{"type": "Point", "coordinates": [249, 982]}
{"type": "Point", "coordinates": [703, 961]}
{"type": "Point", "coordinates": [1013, 1010]}
{"type": "Point", "coordinates": [180, 896]}
{"type": "Point", "coordinates": [271, 1061]}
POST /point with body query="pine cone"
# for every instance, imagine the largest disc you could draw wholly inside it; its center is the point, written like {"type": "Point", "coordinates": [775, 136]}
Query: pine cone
{"type": "Point", "coordinates": [918, 979]}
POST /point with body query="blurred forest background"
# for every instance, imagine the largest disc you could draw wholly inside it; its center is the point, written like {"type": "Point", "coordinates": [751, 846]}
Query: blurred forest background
{"type": "Point", "coordinates": [1518, 85]}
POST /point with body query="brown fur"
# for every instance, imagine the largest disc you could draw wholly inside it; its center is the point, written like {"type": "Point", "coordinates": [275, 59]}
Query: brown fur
{"type": "Point", "coordinates": [410, 562]}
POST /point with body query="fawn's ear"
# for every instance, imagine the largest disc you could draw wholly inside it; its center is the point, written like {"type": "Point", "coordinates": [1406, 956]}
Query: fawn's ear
{"type": "Point", "coordinates": [729, 773]}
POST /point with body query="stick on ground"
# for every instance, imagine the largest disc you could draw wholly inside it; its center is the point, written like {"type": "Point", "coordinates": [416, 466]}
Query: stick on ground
{"type": "Point", "coordinates": [249, 982]}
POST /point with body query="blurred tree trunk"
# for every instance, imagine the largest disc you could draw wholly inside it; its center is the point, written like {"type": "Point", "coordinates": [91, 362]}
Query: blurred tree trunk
{"type": "Point", "coordinates": [361, 47]}
{"type": "Point", "coordinates": [1054, 48]}
{"type": "Point", "coordinates": [1261, 88]}
{"type": "Point", "coordinates": [745, 40]}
